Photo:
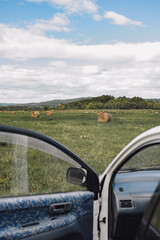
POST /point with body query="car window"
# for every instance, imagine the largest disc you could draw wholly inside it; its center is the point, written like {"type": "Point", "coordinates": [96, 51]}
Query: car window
{"type": "Point", "coordinates": [153, 227]}
{"type": "Point", "coordinates": [155, 222]}
{"type": "Point", "coordinates": [146, 158]}
{"type": "Point", "coordinates": [30, 166]}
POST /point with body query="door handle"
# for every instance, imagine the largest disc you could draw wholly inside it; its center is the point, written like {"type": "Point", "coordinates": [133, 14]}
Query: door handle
{"type": "Point", "coordinates": [30, 224]}
{"type": "Point", "coordinates": [58, 208]}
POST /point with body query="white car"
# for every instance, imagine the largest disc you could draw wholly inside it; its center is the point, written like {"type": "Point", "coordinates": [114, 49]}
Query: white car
{"type": "Point", "coordinates": [48, 193]}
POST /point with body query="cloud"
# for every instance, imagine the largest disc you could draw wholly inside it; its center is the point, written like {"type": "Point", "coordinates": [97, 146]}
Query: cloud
{"type": "Point", "coordinates": [57, 23]}
{"type": "Point", "coordinates": [67, 80]}
{"type": "Point", "coordinates": [37, 68]}
{"type": "Point", "coordinates": [120, 19]}
{"type": "Point", "coordinates": [97, 17]}
{"type": "Point", "coordinates": [85, 6]}
{"type": "Point", "coordinates": [18, 43]}
{"type": "Point", "coordinates": [72, 6]}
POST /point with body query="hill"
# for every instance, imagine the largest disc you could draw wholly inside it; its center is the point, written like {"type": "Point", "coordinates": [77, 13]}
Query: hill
{"type": "Point", "coordinates": [110, 102]}
{"type": "Point", "coordinates": [101, 102]}
{"type": "Point", "coordinates": [52, 103]}
{"type": "Point", "coordinates": [7, 104]}
{"type": "Point", "coordinates": [154, 100]}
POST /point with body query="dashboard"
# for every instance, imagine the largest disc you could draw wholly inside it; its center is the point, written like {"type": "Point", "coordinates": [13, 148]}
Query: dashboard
{"type": "Point", "coordinates": [131, 193]}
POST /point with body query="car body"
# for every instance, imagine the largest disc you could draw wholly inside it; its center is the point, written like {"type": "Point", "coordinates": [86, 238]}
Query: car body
{"type": "Point", "coordinates": [48, 192]}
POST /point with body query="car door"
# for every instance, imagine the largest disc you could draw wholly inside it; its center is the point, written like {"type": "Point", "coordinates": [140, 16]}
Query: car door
{"type": "Point", "coordinates": [36, 200]}
{"type": "Point", "coordinates": [128, 185]}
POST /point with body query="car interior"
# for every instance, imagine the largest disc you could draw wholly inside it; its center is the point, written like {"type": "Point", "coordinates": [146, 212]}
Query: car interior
{"type": "Point", "coordinates": [131, 191]}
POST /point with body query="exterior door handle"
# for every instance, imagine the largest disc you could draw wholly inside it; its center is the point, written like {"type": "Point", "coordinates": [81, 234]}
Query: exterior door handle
{"type": "Point", "coordinates": [58, 208]}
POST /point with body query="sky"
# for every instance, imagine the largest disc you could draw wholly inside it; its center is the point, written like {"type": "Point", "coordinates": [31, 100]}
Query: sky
{"type": "Point", "coordinates": [63, 49]}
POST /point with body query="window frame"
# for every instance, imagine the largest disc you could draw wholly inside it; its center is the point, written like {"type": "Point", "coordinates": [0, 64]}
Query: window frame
{"type": "Point", "coordinates": [92, 177]}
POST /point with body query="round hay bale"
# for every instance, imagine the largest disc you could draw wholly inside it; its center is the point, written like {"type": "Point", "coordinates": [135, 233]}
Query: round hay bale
{"type": "Point", "coordinates": [35, 114]}
{"type": "Point", "coordinates": [104, 117]}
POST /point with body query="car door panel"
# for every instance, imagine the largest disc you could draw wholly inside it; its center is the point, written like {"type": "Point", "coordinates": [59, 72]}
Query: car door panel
{"type": "Point", "coordinates": [25, 217]}
{"type": "Point", "coordinates": [37, 201]}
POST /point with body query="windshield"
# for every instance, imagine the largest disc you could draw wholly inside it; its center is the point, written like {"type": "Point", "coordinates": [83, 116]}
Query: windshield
{"type": "Point", "coordinates": [146, 159]}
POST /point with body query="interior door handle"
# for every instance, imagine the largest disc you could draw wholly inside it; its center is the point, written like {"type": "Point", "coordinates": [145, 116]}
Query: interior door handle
{"type": "Point", "coordinates": [58, 208]}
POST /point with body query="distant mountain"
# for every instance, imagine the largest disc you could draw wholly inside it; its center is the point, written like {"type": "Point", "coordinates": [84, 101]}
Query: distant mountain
{"type": "Point", "coordinates": [7, 104]}
{"type": "Point", "coordinates": [154, 99]}
{"type": "Point", "coordinates": [52, 103]}
{"type": "Point", "coordinates": [55, 102]}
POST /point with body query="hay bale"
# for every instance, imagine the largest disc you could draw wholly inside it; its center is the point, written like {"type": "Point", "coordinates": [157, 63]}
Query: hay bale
{"type": "Point", "coordinates": [35, 114]}
{"type": "Point", "coordinates": [49, 113]}
{"type": "Point", "coordinates": [13, 112]}
{"type": "Point", "coordinates": [104, 117]}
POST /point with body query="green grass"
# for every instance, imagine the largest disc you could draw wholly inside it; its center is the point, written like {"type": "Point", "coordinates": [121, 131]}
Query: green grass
{"type": "Point", "coordinates": [95, 142]}
{"type": "Point", "coordinates": [41, 173]}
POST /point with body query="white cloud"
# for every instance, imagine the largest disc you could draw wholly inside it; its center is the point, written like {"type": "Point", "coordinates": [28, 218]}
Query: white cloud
{"type": "Point", "coordinates": [72, 6]}
{"type": "Point", "coordinates": [17, 43]}
{"type": "Point", "coordinates": [120, 19]}
{"type": "Point", "coordinates": [38, 68]}
{"type": "Point", "coordinates": [97, 17]}
{"type": "Point", "coordinates": [57, 23]}
{"type": "Point", "coordinates": [89, 7]}
{"type": "Point", "coordinates": [58, 64]}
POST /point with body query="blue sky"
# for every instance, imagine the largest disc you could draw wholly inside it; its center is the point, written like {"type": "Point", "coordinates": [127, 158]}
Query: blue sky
{"type": "Point", "coordinates": [53, 49]}
{"type": "Point", "coordinates": [84, 27]}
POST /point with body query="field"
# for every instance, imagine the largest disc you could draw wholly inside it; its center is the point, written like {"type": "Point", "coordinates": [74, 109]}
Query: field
{"type": "Point", "coordinates": [95, 142]}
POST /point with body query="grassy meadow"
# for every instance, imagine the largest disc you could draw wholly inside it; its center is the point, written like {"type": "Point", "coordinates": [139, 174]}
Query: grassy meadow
{"type": "Point", "coordinates": [95, 142]}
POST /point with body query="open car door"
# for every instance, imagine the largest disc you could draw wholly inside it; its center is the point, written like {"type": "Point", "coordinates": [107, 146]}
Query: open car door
{"type": "Point", "coordinates": [128, 185]}
{"type": "Point", "coordinates": [36, 200]}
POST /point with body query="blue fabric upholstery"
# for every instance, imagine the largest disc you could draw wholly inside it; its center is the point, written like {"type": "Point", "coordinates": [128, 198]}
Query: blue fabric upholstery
{"type": "Point", "coordinates": [16, 211]}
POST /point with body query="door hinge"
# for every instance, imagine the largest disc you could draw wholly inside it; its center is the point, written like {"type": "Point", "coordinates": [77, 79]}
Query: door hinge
{"type": "Point", "coordinates": [103, 220]}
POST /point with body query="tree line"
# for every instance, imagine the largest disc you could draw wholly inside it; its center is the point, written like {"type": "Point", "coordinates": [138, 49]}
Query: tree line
{"type": "Point", "coordinates": [102, 102]}
{"type": "Point", "coordinates": [110, 102]}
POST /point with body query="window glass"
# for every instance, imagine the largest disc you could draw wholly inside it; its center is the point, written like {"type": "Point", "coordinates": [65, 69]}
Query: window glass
{"type": "Point", "coordinates": [155, 222]}
{"type": "Point", "coordinates": [146, 158]}
{"type": "Point", "coordinates": [31, 166]}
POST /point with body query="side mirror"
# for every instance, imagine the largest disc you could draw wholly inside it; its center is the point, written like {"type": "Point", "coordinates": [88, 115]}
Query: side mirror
{"type": "Point", "coordinates": [77, 176]}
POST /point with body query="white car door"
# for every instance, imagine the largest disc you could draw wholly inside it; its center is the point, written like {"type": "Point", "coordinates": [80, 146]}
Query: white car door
{"type": "Point", "coordinates": [128, 185]}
